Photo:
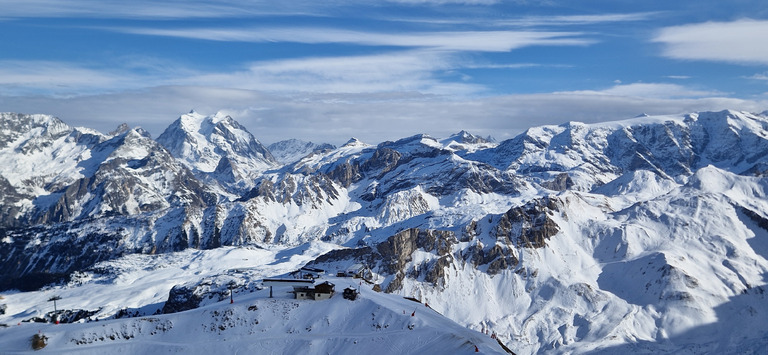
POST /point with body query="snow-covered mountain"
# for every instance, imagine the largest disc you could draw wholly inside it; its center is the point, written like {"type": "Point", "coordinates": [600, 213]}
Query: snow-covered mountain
{"type": "Point", "coordinates": [644, 235]}
{"type": "Point", "coordinates": [255, 322]}
{"type": "Point", "coordinates": [291, 150]}
{"type": "Point", "coordinates": [217, 149]}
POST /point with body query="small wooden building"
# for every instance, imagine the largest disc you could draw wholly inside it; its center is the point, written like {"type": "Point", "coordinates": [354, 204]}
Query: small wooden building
{"type": "Point", "coordinates": [286, 282]}
{"type": "Point", "coordinates": [321, 291]}
{"type": "Point", "coordinates": [359, 271]}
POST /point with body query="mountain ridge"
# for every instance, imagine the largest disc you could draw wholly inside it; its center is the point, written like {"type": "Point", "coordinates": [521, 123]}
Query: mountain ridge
{"type": "Point", "coordinates": [604, 234]}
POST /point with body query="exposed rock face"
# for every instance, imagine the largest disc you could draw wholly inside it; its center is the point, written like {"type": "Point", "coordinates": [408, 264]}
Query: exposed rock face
{"type": "Point", "coordinates": [761, 221]}
{"type": "Point", "coordinates": [529, 225]}
{"type": "Point", "coordinates": [419, 161]}
{"type": "Point", "coordinates": [394, 256]}
{"type": "Point", "coordinates": [38, 256]}
{"type": "Point", "coordinates": [297, 189]}
{"type": "Point", "coordinates": [561, 182]}
{"type": "Point", "coordinates": [182, 298]}
{"type": "Point", "coordinates": [10, 210]}
{"type": "Point", "coordinates": [64, 316]}
{"type": "Point", "coordinates": [396, 251]}
{"type": "Point", "coordinates": [210, 289]}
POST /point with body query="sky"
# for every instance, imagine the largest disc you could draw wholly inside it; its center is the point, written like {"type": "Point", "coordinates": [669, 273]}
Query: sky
{"type": "Point", "coordinates": [327, 71]}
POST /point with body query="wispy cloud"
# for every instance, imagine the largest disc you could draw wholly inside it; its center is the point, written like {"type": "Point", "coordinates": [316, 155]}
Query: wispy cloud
{"type": "Point", "coordinates": [572, 20]}
{"type": "Point", "coordinates": [38, 77]}
{"type": "Point", "coordinates": [535, 21]}
{"type": "Point", "coordinates": [652, 90]}
{"type": "Point", "coordinates": [403, 71]}
{"type": "Point", "coordinates": [741, 41]}
{"type": "Point", "coordinates": [759, 76]}
{"type": "Point", "coordinates": [412, 71]}
{"type": "Point", "coordinates": [149, 9]}
{"type": "Point", "coordinates": [483, 41]}
{"type": "Point", "coordinates": [53, 78]}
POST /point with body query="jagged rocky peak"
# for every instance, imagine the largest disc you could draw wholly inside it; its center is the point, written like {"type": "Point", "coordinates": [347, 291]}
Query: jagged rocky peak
{"type": "Point", "coordinates": [671, 146]}
{"type": "Point", "coordinates": [354, 142]}
{"type": "Point", "coordinates": [467, 142]}
{"type": "Point", "coordinates": [122, 128]}
{"type": "Point", "coordinates": [200, 142]}
{"type": "Point", "coordinates": [40, 154]}
{"type": "Point", "coordinates": [414, 145]}
{"type": "Point", "coordinates": [468, 138]}
{"type": "Point", "coordinates": [292, 150]}
{"type": "Point", "coordinates": [129, 174]}
{"type": "Point", "coordinates": [16, 125]}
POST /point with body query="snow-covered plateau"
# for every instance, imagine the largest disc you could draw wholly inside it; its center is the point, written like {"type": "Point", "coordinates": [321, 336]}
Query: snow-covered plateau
{"type": "Point", "coordinates": [647, 235]}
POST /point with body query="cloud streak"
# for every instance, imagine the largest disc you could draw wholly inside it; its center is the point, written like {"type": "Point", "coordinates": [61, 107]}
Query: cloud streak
{"type": "Point", "coordinates": [481, 41]}
{"type": "Point", "coordinates": [412, 71]}
{"type": "Point", "coordinates": [404, 71]}
{"type": "Point", "coordinates": [741, 41]}
{"type": "Point", "coordinates": [148, 9]}
{"type": "Point", "coordinates": [651, 90]}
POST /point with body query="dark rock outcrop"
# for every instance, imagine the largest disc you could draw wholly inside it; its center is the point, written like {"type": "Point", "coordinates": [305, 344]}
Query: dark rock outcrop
{"type": "Point", "coordinates": [530, 225]}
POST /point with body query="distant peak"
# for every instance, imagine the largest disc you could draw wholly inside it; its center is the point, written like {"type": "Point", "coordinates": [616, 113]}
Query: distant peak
{"type": "Point", "coordinates": [138, 132]}
{"type": "Point", "coordinates": [192, 114]}
{"type": "Point", "coordinates": [353, 142]}
{"type": "Point", "coordinates": [122, 128]}
{"type": "Point", "coordinates": [466, 137]}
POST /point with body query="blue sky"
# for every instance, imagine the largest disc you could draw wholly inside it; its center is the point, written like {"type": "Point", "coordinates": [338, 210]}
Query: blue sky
{"type": "Point", "coordinates": [380, 70]}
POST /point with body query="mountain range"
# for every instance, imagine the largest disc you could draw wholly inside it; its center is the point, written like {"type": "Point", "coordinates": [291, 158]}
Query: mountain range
{"type": "Point", "coordinates": [642, 235]}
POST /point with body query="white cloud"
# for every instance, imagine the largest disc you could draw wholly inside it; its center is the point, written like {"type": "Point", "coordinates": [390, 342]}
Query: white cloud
{"type": "Point", "coordinates": [406, 71]}
{"type": "Point", "coordinates": [413, 71]}
{"type": "Point", "coordinates": [759, 76]}
{"type": "Point", "coordinates": [533, 21]}
{"type": "Point", "coordinates": [431, 72]}
{"type": "Point", "coordinates": [741, 41]}
{"type": "Point", "coordinates": [577, 19]}
{"type": "Point", "coordinates": [149, 9]}
{"type": "Point", "coordinates": [52, 78]}
{"type": "Point", "coordinates": [484, 41]}
{"type": "Point", "coordinates": [650, 90]}
{"type": "Point", "coordinates": [36, 77]}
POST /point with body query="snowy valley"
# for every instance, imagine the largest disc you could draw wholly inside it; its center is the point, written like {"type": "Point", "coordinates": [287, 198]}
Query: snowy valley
{"type": "Point", "coordinates": [647, 235]}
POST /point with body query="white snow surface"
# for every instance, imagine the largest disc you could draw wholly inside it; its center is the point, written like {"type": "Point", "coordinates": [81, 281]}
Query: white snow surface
{"type": "Point", "coordinates": [292, 150]}
{"type": "Point", "coordinates": [255, 323]}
